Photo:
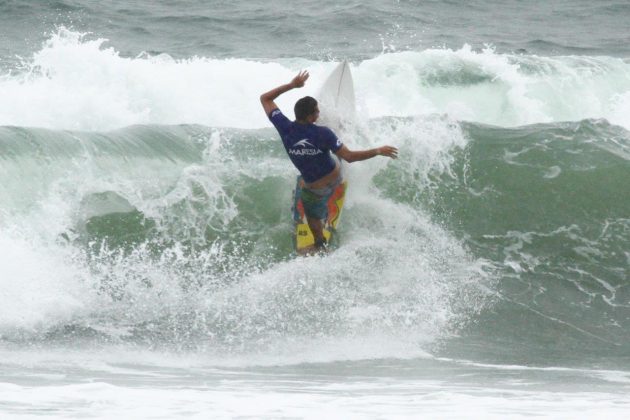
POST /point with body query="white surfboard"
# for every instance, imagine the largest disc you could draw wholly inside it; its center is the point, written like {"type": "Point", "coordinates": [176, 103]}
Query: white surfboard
{"type": "Point", "coordinates": [337, 101]}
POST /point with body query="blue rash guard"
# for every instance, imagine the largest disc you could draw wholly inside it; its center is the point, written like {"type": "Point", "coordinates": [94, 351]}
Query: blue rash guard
{"type": "Point", "coordinates": [308, 146]}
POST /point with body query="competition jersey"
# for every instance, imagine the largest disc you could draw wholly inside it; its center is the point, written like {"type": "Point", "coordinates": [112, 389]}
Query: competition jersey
{"type": "Point", "coordinates": [308, 146]}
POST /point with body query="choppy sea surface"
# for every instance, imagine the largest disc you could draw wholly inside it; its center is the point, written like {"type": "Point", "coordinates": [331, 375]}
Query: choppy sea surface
{"type": "Point", "coordinates": [146, 261]}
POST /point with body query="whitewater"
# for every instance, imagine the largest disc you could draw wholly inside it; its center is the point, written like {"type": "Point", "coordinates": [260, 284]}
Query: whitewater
{"type": "Point", "coordinates": [146, 262]}
{"type": "Point", "coordinates": [81, 83]}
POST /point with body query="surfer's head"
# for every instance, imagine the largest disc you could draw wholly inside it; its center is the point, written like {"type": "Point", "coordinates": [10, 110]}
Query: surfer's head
{"type": "Point", "coordinates": [306, 110]}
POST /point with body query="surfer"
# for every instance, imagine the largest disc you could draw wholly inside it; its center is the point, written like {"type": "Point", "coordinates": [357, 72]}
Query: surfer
{"type": "Point", "coordinates": [309, 146]}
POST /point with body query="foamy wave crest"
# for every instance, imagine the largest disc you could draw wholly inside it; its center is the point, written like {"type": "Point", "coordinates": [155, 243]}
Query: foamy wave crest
{"type": "Point", "coordinates": [78, 82]}
{"type": "Point", "coordinates": [492, 88]}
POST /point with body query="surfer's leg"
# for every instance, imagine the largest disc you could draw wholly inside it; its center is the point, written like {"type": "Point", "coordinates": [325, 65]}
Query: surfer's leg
{"type": "Point", "coordinates": [317, 228]}
{"type": "Point", "coordinates": [316, 211]}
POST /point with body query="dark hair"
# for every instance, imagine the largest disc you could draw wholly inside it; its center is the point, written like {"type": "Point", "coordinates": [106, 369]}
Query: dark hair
{"type": "Point", "coordinates": [304, 107]}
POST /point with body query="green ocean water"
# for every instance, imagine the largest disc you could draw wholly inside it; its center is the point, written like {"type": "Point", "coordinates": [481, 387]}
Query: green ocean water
{"type": "Point", "coordinates": [520, 235]}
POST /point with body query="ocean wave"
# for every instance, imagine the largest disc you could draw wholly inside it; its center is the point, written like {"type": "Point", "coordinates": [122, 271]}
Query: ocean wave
{"type": "Point", "coordinates": [180, 237]}
{"type": "Point", "coordinates": [78, 82]}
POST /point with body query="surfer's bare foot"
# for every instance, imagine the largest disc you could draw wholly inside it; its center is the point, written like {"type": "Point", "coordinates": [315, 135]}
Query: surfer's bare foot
{"type": "Point", "coordinates": [321, 243]}
{"type": "Point", "coordinates": [321, 246]}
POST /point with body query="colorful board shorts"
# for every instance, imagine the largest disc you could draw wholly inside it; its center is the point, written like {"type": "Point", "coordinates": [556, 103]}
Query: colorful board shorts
{"type": "Point", "coordinates": [315, 200]}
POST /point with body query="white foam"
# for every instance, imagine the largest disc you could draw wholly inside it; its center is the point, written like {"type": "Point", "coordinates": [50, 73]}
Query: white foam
{"type": "Point", "coordinates": [271, 397]}
{"type": "Point", "coordinates": [552, 172]}
{"type": "Point", "coordinates": [620, 109]}
{"type": "Point", "coordinates": [76, 82]}
{"type": "Point", "coordinates": [39, 288]}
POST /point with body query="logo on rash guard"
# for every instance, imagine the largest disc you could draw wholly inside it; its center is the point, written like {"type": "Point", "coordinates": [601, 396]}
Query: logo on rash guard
{"type": "Point", "coordinates": [308, 151]}
{"type": "Point", "coordinates": [303, 143]}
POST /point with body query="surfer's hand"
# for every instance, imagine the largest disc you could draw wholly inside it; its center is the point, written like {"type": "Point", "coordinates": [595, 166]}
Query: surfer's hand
{"type": "Point", "coordinates": [388, 151]}
{"type": "Point", "coordinates": [299, 80]}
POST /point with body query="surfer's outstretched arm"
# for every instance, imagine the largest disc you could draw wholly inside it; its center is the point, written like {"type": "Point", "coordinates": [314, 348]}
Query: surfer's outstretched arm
{"type": "Point", "coordinates": [267, 99]}
{"type": "Point", "coordinates": [355, 156]}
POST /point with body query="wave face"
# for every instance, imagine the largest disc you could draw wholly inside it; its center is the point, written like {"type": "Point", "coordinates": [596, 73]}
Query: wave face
{"type": "Point", "coordinates": [145, 201]}
{"type": "Point", "coordinates": [549, 206]}
{"type": "Point", "coordinates": [180, 236]}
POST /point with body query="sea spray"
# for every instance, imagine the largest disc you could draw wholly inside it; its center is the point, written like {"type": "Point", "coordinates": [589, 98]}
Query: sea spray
{"type": "Point", "coordinates": [181, 237]}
